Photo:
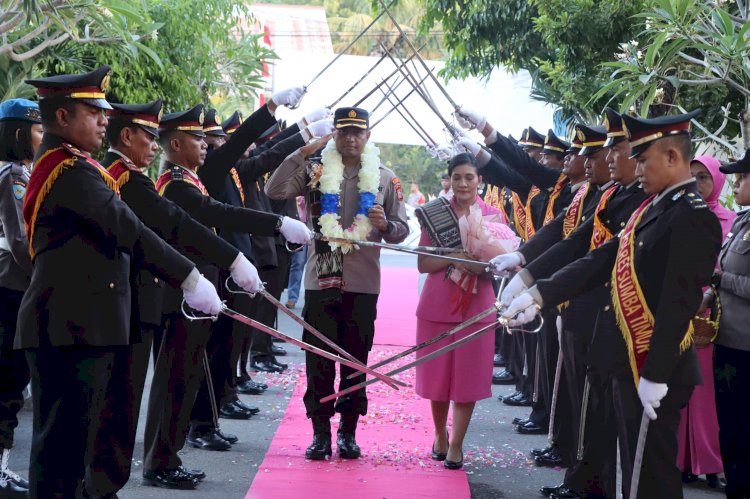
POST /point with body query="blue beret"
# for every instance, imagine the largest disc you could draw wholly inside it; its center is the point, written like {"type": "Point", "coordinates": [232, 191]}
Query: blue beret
{"type": "Point", "coordinates": [20, 109]}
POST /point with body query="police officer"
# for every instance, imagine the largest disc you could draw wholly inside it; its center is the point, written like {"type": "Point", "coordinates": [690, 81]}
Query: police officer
{"type": "Point", "coordinates": [76, 314]}
{"type": "Point", "coordinates": [657, 267]}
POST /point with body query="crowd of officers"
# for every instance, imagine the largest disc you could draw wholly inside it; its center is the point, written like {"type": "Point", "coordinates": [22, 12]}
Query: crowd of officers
{"type": "Point", "coordinates": [618, 249]}
{"type": "Point", "coordinates": [117, 259]}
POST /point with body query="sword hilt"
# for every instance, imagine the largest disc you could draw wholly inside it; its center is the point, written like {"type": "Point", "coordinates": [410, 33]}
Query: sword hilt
{"type": "Point", "coordinates": [240, 291]}
{"type": "Point", "coordinates": [193, 317]}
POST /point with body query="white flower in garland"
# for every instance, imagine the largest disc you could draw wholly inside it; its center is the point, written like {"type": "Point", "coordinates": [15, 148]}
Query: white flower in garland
{"type": "Point", "coordinates": [330, 187]}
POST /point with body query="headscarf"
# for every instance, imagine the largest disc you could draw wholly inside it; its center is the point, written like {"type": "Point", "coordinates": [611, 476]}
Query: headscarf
{"type": "Point", "coordinates": [725, 216]}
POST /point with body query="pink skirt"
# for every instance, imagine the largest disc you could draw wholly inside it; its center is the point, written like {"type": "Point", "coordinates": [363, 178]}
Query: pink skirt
{"type": "Point", "coordinates": [698, 435]}
{"type": "Point", "coordinates": [461, 375]}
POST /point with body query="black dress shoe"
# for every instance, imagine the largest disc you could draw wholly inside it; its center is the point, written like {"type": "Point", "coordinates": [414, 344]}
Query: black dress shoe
{"type": "Point", "coordinates": [539, 452]}
{"type": "Point", "coordinates": [320, 448]}
{"type": "Point", "coordinates": [266, 366]}
{"type": "Point", "coordinates": [280, 365]}
{"type": "Point", "coordinates": [347, 446]}
{"type": "Point", "coordinates": [550, 459]}
{"type": "Point", "coordinates": [207, 440]}
{"type": "Point", "coordinates": [229, 437]}
{"type": "Point", "coordinates": [714, 482]}
{"type": "Point", "coordinates": [197, 474]}
{"type": "Point", "coordinates": [169, 479]}
{"type": "Point", "coordinates": [503, 378]}
{"type": "Point", "coordinates": [521, 401]}
{"type": "Point", "coordinates": [531, 428]}
{"type": "Point", "coordinates": [565, 493]}
{"type": "Point", "coordinates": [454, 465]}
{"type": "Point", "coordinates": [250, 387]}
{"type": "Point", "coordinates": [688, 477]}
{"type": "Point", "coordinates": [498, 360]}
{"type": "Point", "coordinates": [253, 410]}
{"type": "Point", "coordinates": [512, 395]}
{"type": "Point", "coordinates": [231, 411]}
{"type": "Point", "coordinates": [278, 351]}
{"type": "Point", "coordinates": [10, 487]}
{"type": "Point", "coordinates": [548, 491]}
{"type": "Point", "coordinates": [438, 456]}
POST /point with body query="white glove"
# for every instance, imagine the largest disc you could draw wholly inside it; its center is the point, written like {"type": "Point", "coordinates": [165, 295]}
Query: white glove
{"type": "Point", "coordinates": [522, 310]}
{"type": "Point", "coordinates": [295, 231]}
{"type": "Point", "coordinates": [651, 394]}
{"type": "Point", "coordinates": [317, 115]}
{"type": "Point", "coordinates": [469, 119]}
{"type": "Point", "coordinates": [503, 264]}
{"type": "Point", "coordinates": [514, 288]}
{"type": "Point", "coordinates": [203, 297]}
{"type": "Point", "coordinates": [289, 97]}
{"type": "Point", "coordinates": [245, 275]}
{"type": "Point", "coordinates": [443, 152]}
{"type": "Point", "coordinates": [470, 145]}
{"type": "Point", "coordinates": [320, 127]}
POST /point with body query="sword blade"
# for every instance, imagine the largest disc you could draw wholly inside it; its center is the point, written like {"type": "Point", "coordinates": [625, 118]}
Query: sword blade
{"type": "Point", "coordinates": [309, 327]}
{"type": "Point", "coordinates": [357, 82]}
{"type": "Point", "coordinates": [417, 362]}
{"type": "Point", "coordinates": [346, 49]}
{"type": "Point", "coordinates": [423, 134]}
{"type": "Point", "coordinates": [360, 101]}
{"type": "Point", "coordinates": [450, 332]}
{"type": "Point", "coordinates": [638, 462]}
{"type": "Point", "coordinates": [394, 108]}
{"type": "Point", "coordinates": [301, 344]}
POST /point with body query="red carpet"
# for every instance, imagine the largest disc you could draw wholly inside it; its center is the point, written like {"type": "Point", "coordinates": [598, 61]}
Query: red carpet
{"type": "Point", "coordinates": [395, 436]}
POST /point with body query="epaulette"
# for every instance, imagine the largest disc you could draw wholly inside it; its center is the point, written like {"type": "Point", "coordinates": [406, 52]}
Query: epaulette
{"type": "Point", "coordinates": [80, 154]}
{"type": "Point", "coordinates": [695, 201]}
{"type": "Point", "coordinates": [177, 173]}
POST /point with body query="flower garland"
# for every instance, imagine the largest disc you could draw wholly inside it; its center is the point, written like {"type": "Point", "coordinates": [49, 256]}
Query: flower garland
{"type": "Point", "coordinates": [330, 187]}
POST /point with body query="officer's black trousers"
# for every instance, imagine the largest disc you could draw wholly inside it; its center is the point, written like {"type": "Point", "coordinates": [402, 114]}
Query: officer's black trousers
{"type": "Point", "coordinates": [660, 476]}
{"type": "Point", "coordinates": [240, 341]}
{"type": "Point", "coordinates": [218, 352]}
{"type": "Point", "coordinates": [595, 475]}
{"type": "Point", "coordinates": [177, 376]}
{"type": "Point", "coordinates": [515, 360]}
{"type": "Point", "coordinates": [14, 370]}
{"type": "Point", "coordinates": [349, 320]}
{"type": "Point", "coordinates": [276, 280]}
{"type": "Point", "coordinates": [545, 360]}
{"type": "Point", "coordinates": [732, 381]}
{"type": "Point", "coordinates": [69, 388]}
{"type": "Point", "coordinates": [109, 469]}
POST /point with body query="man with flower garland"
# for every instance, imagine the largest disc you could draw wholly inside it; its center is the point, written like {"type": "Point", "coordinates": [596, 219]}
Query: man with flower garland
{"type": "Point", "coordinates": [350, 195]}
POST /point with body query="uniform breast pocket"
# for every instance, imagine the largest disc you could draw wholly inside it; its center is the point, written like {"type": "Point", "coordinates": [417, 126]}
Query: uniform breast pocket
{"type": "Point", "coordinates": [740, 246]}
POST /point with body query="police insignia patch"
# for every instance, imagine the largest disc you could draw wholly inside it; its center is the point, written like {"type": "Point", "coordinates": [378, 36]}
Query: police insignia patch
{"type": "Point", "coordinates": [399, 191]}
{"type": "Point", "coordinates": [19, 190]}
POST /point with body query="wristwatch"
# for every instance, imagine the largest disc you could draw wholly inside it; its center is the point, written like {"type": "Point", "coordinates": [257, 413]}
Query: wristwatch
{"type": "Point", "coordinates": [279, 223]}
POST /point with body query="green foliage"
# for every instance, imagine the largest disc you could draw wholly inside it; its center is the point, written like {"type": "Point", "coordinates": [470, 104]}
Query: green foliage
{"type": "Point", "coordinates": [200, 53]}
{"type": "Point", "coordinates": [413, 163]}
{"type": "Point", "coordinates": [560, 42]}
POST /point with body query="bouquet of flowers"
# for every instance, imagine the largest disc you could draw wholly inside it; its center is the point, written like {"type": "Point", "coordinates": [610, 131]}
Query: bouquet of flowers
{"type": "Point", "coordinates": [484, 237]}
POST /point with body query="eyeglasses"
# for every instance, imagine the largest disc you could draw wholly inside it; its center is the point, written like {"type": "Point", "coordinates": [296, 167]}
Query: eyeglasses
{"type": "Point", "coordinates": [703, 177]}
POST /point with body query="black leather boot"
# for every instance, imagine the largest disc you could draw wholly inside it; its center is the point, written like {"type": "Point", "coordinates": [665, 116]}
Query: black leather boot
{"type": "Point", "coordinates": [345, 441]}
{"type": "Point", "coordinates": [320, 448]}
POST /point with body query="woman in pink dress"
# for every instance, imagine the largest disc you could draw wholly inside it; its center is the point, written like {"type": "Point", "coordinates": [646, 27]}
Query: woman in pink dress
{"type": "Point", "coordinates": [698, 435]}
{"type": "Point", "coordinates": [452, 293]}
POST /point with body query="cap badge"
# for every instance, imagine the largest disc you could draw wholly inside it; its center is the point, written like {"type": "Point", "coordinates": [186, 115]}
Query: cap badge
{"type": "Point", "coordinates": [201, 117]}
{"type": "Point", "coordinates": [581, 136]}
{"type": "Point", "coordinates": [161, 113]}
{"type": "Point", "coordinates": [352, 113]}
{"type": "Point", "coordinates": [606, 123]}
{"type": "Point", "coordinates": [104, 85]}
{"type": "Point", "coordinates": [217, 118]}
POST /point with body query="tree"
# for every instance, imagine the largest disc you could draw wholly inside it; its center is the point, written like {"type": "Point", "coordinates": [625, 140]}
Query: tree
{"type": "Point", "coordinates": [34, 31]}
{"type": "Point", "coordinates": [199, 53]}
{"type": "Point", "coordinates": [692, 53]}
{"type": "Point", "coordinates": [413, 163]}
{"type": "Point", "coordinates": [561, 43]}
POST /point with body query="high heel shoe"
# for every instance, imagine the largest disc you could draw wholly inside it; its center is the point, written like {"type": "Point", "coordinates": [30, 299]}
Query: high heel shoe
{"type": "Point", "coordinates": [439, 456]}
{"type": "Point", "coordinates": [454, 465]}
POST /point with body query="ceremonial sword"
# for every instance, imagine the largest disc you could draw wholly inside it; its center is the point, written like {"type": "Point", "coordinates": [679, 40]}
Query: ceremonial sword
{"type": "Point", "coordinates": [429, 140]}
{"type": "Point", "coordinates": [440, 351]}
{"type": "Point", "coordinates": [468, 322]}
{"type": "Point", "coordinates": [368, 94]}
{"type": "Point", "coordinates": [306, 325]}
{"type": "Point", "coordinates": [289, 339]}
{"type": "Point", "coordinates": [638, 462]}
{"type": "Point", "coordinates": [392, 109]}
{"type": "Point", "coordinates": [403, 249]}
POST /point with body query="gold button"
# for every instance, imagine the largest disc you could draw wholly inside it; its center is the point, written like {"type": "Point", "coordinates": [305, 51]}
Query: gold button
{"type": "Point", "coordinates": [583, 218]}
{"type": "Point", "coordinates": [640, 243]}
{"type": "Point", "coordinates": [111, 285]}
{"type": "Point", "coordinates": [156, 280]}
{"type": "Point", "coordinates": [606, 308]}
{"type": "Point", "coordinates": [622, 224]}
